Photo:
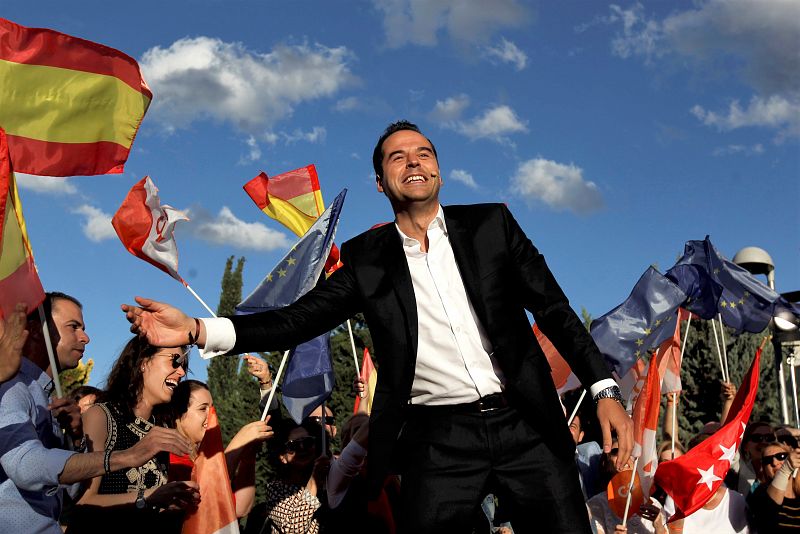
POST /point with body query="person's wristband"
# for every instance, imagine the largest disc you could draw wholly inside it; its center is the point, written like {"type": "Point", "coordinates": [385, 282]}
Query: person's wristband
{"type": "Point", "coordinates": [107, 461]}
{"type": "Point", "coordinates": [193, 338]}
{"type": "Point", "coordinates": [612, 392]}
{"type": "Point", "coordinates": [265, 385]}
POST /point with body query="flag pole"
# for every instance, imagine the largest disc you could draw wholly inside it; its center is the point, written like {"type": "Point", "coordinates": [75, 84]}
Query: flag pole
{"type": "Point", "coordinates": [630, 490]}
{"type": "Point", "coordinates": [724, 348]}
{"type": "Point", "coordinates": [353, 347]}
{"type": "Point", "coordinates": [719, 352]}
{"type": "Point", "coordinates": [50, 353]}
{"type": "Point", "coordinates": [199, 299]}
{"type": "Point", "coordinates": [575, 410]}
{"type": "Point", "coordinates": [674, 422]}
{"type": "Point", "coordinates": [324, 448]}
{"type": "Point", "coordinates": [274, 384]}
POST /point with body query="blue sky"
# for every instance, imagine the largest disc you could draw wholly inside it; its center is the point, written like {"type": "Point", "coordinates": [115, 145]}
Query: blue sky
{"type": "Point", "coordinates": [615, 133]}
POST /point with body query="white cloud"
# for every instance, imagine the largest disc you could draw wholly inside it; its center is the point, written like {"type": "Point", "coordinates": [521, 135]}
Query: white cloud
{"type": "Point", "coordinates": [97, 224]}
{"type": "Point", "coordinates": [255, 151]}
{"type": "Point", "coordinates": [421, 22]}
{"type": "Point", "coordinates": [45, 184]}
{"type": "Point", "coordinates": [495, 124]}
{"type": "Point", "coordinates": [558, 185]}
{"type": "Point", "coordinates": [204, 77]}
{"type": "Point", "coordinates": [507, 52]}
{"type": "Point", "coordinates": [226, 229]}
{"type": "Point", "coordinates": [451, 108]}
{"type": "Point", "coordinates": [464, 177]}
{"type": "Point", "coordinates": [756, 41]}
{"type": "Point", "coordinates": [775, 112]}
{"type": "Point", "coordinates": [317, 134]}
{"type": "Point", "coordinates": [752, 150]}
{"type": "Point", "coordinates": [346, 104]}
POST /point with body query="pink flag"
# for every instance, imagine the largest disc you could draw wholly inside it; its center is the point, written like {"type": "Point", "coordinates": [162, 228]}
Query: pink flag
{"type": "Point", "coordinates": [645, 427]}
{"type": "Point", "coordinates": [216, 513]}
{"type": "Point", "coordinates": [146, 227]}
{"type": "Point", "coordinates": [692, 479]}
{"type": "Point", "coordinates": [560, 371]}
{"type": "Point", "coordinates": [669, 358]}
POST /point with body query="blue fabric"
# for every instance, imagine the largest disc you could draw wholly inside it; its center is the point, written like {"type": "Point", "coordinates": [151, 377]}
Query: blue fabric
{"type": "Point", "coordinates": [642, 322]}
{"type": "Point", "coordinates": [309, 375]}
{"type": "Point", "coordinates": [587, 458]}
{"type": "Point", "coordinates": [32, 454]}
{"type": "Point", "coordinates": [744, 303]}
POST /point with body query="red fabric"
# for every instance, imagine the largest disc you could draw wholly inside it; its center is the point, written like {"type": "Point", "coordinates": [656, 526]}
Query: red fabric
{"type": "Point", "coordinates": [692, 479]}
{"type": "Point", "coordinates": [180, 468]}
{"type": "Point", "coordinates": [23, 285]}
{"type": "Point", "coordinates": [216, 510]}
{"type": "Point", "coordinates": [40, 46]}
{"type": "Point", "coordinates": [367, 372]}
{"type": "Point", "coordinates": [560, 371]}
{"type": "Point", "coordinates": [645, 426]}
{"type": "Point", "coordinates": [617, 493]}
{"type": "Point", "coordinates": [51, 158]}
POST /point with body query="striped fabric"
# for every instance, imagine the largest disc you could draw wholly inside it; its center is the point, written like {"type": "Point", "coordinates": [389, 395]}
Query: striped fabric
{"type": "Point", "coordinates": [19, 281]}
{"type": "Point", "coordinates": [69, 106]}
{"type": "Point", "coordinates": [292, 198]}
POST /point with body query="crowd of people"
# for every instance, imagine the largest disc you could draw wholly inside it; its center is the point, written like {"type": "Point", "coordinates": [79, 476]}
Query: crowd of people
{"type": "Point", "coordinates": [121, 457]}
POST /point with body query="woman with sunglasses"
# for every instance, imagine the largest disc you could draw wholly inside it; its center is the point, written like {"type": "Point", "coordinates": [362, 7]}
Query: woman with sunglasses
{"type": "Point", "coordinates": [294, 500]}
{"type": "Point", "coordinates": [776, 503]}
{"type": "Point", "coordinates": [188, 412]}
{"type": "Point", "coordinates": [139, 386]}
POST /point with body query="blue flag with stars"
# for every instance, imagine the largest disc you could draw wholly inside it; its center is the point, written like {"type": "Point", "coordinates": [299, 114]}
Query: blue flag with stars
{"type": "Point", "coordinates": [744, 302]}
{"type": "Point", "coordinates": [641, 323]}
{"type": "Point", "coordinates": [309, 376]}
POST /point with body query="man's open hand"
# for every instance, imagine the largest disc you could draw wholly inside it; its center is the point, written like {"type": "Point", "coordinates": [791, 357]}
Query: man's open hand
{"type": "Point", "coordinates": [12, 338]}
{"type": "Point", "coordinates": [161, 324]}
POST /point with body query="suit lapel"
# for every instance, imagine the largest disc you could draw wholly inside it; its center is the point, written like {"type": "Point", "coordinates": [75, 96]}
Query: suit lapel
{"type": "Point", "coordinates": [462, 240]}
{"type": "Point", "coordinates": [393, 261]}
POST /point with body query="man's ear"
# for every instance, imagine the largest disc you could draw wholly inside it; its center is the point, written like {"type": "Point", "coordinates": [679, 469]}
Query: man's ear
{"type": "Point", "coordinates": [379, 183]}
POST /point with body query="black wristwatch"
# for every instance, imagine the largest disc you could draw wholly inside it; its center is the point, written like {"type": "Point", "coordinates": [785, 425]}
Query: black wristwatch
{"type": "Point", "coordinates": [612, 392]}
{"type": "Point", "coordinates": [141, 504]}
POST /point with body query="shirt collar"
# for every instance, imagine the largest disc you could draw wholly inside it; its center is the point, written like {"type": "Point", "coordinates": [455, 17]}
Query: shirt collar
{"type": "Point", "coordinates": [30, 370]}
{"type": "Point", "coordinates": [410, 243]}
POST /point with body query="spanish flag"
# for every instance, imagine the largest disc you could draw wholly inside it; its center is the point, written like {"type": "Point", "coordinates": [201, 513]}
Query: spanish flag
{"type": "Point", "coordinates": [292, 198]}
{"type": "Point", "coordinates": [68, 106]}
{"type": "Point", "coordinates": [19, 281]}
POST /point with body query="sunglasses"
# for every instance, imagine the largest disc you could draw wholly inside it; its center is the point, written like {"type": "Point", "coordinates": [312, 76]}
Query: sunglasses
{"type": "Point", "coordinates": [780, 456]}
{"type": "Point", "coordinates": [762, 438]}
{"type": "Point", "coordinates": [788, 439]}
{"type": "Point", "coordinates": [301, 444]}
{"type": "Point", "coordinates": [329, 419]}
{"type": "Point", "coordinates": [180, 360]}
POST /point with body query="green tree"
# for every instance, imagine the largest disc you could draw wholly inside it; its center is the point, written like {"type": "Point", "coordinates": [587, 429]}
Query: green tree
{"type": "Point", "coordinates": [701, 377]}
{"type": "Point", "coordinates": [72, 379]}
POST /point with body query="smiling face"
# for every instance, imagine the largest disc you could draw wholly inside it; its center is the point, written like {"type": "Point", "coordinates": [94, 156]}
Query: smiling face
{"type": "Point", "coordinates": [194, 423]}
{"type": "Point", "coordinates": [410, 170]}
{"type": "Point", "coordinates": [300, 448]}
{"type": "Point", "coordinates": [775, 464]}
{"type": "Point", "coordinates": [161, 374]}
{"type": "Point", "coordinates": [68, 319]}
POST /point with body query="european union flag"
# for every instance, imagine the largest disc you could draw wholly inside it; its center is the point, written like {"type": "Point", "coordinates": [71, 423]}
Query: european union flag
{"type": "Point", "coordinates": [641, 323]}
{"type": "Point", "coordinates": [744, 302]}
{"type": "Point", "coordinates": [309, 375]}
{"type": "Point", "coordinates": [701, 290]}
{"type": "Point", "coordinates": [300, 269]}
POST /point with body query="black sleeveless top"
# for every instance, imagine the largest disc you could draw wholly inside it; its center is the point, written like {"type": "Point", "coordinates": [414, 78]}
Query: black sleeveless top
{"type": "Point", "coordinates": [124, 431]}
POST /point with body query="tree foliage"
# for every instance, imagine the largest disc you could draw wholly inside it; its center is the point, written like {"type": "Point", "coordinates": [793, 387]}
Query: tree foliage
{"type": "Point", "coordinates": [72, 379]}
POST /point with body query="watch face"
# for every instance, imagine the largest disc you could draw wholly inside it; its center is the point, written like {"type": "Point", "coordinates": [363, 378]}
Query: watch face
{"type": "Point", "coordinates": [140, 502]}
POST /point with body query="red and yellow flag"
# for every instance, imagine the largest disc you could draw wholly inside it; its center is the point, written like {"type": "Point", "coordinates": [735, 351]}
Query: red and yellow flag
{"type": "Point", "coordinates": [292, 198]}
{"type": "Point", "coordinates": [19, 281]}
{"type": "Point", "coordinates": [69, 106]}
{"type": "Point", "coordinates": [370, 377]}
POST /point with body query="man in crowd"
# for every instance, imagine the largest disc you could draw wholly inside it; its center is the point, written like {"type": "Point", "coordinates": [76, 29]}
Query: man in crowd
{"type": "Point", "coordinates": [464, 403]}
{"type": "Point", "coordinates": [39, 438]}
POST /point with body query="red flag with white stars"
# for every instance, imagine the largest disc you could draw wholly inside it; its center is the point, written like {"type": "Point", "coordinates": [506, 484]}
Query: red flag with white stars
{"type": "Point", "coordinates": [692, 479]}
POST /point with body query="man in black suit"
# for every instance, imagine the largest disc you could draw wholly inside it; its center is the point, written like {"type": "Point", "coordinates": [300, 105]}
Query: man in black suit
{"type": "Point", "coordinates": [464, 403]}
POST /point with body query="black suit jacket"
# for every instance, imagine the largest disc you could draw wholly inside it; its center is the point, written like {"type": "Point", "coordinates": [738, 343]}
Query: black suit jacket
{"type": "Point", "coordinates": [503, 274]}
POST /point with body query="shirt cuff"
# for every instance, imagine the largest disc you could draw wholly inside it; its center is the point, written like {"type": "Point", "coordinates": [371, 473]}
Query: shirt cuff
{"type": "Point", "coordinates": [220, 337]}
{"type": "Point", "coordinates": [599, 386]}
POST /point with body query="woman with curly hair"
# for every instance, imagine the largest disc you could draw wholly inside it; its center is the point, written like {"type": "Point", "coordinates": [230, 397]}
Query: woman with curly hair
{"type": "Point", "coordinates": [140, 384]}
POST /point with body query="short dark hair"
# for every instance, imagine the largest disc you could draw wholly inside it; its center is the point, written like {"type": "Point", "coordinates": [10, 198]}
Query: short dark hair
{"type": "Point", "coordinates": [52, 296]}
{"type": "Point", "coordinates": [179, 404]}
{"type": "Point", "coordinates": [85, 391]}
{"type": "Point", "coordinates": [377, 153]}
{"type": "Point", "coordinates": [47, 305]}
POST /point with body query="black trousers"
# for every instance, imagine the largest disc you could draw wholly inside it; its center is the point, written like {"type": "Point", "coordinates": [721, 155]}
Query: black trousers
{"type": "Point", "coordinates": [450, 461]}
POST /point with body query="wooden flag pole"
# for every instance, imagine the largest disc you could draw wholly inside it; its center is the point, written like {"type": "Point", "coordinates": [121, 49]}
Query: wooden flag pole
{"type": "Point", "coordinates": [201, 301]}
{"type": "Point", "coordinates": [50, 352]}
{"type": "Point", "coordinates": [674, 422]}
{"type": "Point", "coordinates": [630, 490]}
{"type": "Point", "coordinates": [275, 385]}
